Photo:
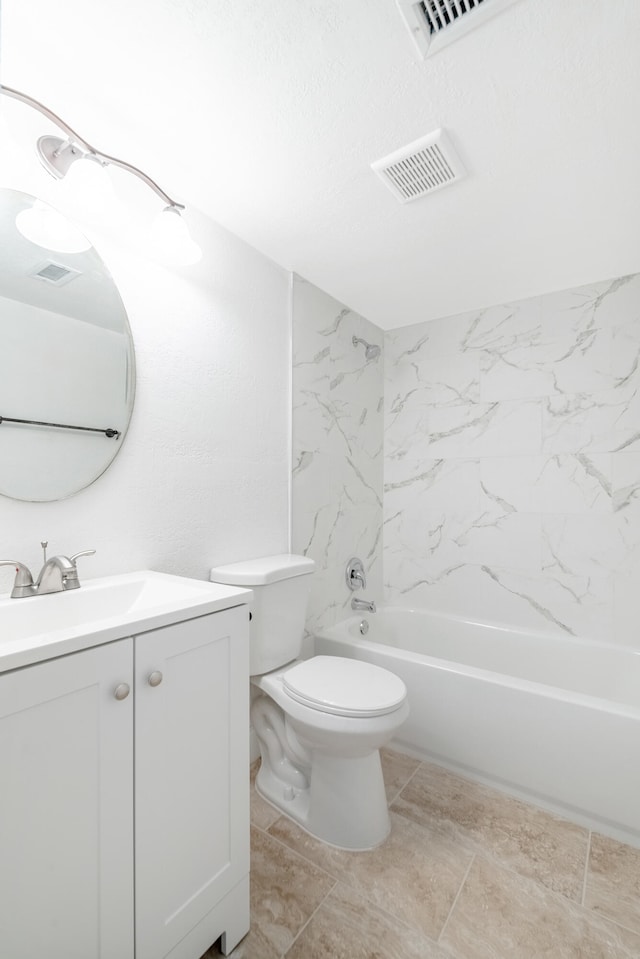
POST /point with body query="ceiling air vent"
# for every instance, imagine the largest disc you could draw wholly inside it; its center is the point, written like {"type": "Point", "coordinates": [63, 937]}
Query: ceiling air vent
{"type": "Point", "coordinates": [54, 273]}
{"type": "Point", "coordinates": [433, 24]}
{"type": "Point", "coordinates": [421, 167]}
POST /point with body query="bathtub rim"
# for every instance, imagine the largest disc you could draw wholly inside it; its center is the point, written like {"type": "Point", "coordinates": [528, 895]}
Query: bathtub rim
{"type": "Point", "coordinates": [339, 632]}
{"type": "Point", "coordinates": [518, 631]}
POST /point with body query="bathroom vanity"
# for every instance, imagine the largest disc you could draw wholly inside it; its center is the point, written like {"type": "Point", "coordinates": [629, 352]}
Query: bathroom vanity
{"type": "Point", "coordinates": [124, 763]}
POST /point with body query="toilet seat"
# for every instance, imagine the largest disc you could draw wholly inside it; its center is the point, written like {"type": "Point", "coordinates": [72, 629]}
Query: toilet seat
{"type": "Point", "coordinates": [344, 687]}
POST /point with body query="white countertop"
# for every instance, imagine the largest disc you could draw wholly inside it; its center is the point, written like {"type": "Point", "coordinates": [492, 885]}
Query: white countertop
{"type": "Point", "coordinates": [102, 610]}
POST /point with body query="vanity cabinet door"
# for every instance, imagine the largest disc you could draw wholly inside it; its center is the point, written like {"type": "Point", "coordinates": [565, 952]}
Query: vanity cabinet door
{"type": "Point", "coordinates": [192, 771]}
{"type": "Point", "coordinates": [66, 823]}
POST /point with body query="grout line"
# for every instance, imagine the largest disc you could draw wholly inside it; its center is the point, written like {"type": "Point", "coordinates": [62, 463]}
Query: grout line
{"type": "Point", "coordinates": [455, 901]}
{"type": "Point", "coordinates": [477, 849]}
{"type": "Point", "coordinates": [295, 852]}
{"type": "Point", "coordinates": [613, 922]}
{"type": "Point", "coordinates": [458, 835]}
{"type": "Point", "coordinates": [586, 870]}
{"type": "Point", "coordinates": [304, 926]}
{"type": "Point", "coordinates": [403, 787]}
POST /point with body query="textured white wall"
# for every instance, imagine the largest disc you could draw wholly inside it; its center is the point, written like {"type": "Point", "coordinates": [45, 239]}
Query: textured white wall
{"type": "Point", "coordinates": [337, 449]}
{"type": "Point", "coordinates": [512, 463]}
{"type": "Point", "coordinates": [202, 477]}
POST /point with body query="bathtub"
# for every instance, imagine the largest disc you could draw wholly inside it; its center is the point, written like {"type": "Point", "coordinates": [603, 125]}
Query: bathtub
{"type": "Point", "coordinates": [552, 720]}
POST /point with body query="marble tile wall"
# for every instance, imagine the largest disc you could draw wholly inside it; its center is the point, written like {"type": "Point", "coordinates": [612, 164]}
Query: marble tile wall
{"type": "Point", "coordinates": [512, 463]}
{"type": "Point", "coordinates": [336, 449]}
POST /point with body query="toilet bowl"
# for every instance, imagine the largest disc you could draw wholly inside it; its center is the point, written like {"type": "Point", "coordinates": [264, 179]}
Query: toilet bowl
{"type": "Point", "coordinates": [320, 722]}
{"type": "Point", "coordinates": [320, 758]}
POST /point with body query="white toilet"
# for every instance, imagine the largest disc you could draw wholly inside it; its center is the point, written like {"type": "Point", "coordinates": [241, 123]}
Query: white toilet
{"type": "Point", "coordinates": [320, 722]}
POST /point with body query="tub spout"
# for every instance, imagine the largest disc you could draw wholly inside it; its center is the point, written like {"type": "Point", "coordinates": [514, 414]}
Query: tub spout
{"type": "Point", "coordinates": [363, 605]}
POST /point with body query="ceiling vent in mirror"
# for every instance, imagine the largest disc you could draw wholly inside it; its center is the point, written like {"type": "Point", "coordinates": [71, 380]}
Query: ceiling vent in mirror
{"type": "Point", "coordinates": [54, 273]}
{"type": "Point", "coordinates": [433, 24]}
{"type": "Point", "coordinates": [421, 167]}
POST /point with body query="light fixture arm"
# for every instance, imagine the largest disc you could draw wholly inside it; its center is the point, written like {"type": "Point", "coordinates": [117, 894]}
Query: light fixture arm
{"type": "Point", "coordinates": [75, 139]}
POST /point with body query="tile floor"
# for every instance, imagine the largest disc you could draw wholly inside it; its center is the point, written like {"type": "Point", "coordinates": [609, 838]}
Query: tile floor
{"type": "Point", "coordinates": [467, 873]}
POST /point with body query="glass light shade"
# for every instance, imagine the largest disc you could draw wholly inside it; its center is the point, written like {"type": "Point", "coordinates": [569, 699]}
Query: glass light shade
{"type": "Point", "coordinates": [45, 227]}
{"type": "Point", "coordinates": [88, 188]}
{"type": "Point", "coordinates": [171, 240]}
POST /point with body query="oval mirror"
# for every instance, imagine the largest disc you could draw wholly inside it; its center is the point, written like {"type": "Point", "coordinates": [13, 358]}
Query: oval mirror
{"type": "Point", "coordinates": [67, 366]}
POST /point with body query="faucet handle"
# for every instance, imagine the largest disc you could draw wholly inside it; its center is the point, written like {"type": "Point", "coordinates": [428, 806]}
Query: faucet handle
{"type": "Point", "coordinates": [23, 583]}
{"type": "Point", "coordinates": [355, 575]}
{"type": "Point", "coordinates": [72, 581]}
{"type": "Point", "coordinates": [84, 552]}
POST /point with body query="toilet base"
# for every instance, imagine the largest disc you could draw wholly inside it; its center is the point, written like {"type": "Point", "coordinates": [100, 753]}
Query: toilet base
{"type": "Point", "coordinates": [344, 804]}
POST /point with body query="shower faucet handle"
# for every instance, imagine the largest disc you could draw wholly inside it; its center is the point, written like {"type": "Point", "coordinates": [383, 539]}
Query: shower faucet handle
{"type": "Point", "coordinates": [355, 575]}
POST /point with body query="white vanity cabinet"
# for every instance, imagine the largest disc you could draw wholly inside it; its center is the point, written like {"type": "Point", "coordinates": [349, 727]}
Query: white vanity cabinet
{"type": "Point", "coordinates": [124, 796]}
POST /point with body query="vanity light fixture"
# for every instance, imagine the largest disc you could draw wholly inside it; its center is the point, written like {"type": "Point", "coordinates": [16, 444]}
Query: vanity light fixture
{"type": "Point", "coordinates": [59, 157]}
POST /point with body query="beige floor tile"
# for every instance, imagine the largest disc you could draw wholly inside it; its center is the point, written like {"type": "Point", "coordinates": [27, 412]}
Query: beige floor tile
{"type": "Point", "coordinates": [415, 874]}
{"type": "Point", "coordinates": [285, 891]}
{"type": "Point", "coordinates": [263, 813]}
{"type": "Point", "coordinates": [500, 915]}
{"type": "Point", "coordinates": [346, 926]}
{"type": "Point", "coordinates": [397, 770]}
{"type": "Point", "coordinates": [535, 843]}
{"type": "Point", "coordinates": [613, 881]}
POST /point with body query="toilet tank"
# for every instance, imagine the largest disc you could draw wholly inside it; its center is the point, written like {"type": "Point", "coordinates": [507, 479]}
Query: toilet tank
{"type": "Point", "coordinates": [281, 586]}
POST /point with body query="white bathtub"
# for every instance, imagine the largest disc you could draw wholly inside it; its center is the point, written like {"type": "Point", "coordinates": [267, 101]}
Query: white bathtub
{"type": "Point", "coordinates": [555, 721]}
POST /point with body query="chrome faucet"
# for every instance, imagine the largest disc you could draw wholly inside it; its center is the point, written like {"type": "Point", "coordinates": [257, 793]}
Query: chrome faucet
{"type": "Point", "coordinates": [57, 574]}
{"type": "Point", "coordinates": [23, 583]}
{"type": "Point", "coordinates": [363, 605]}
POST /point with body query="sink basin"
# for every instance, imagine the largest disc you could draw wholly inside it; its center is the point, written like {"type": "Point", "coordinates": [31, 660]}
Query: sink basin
{"type": "Point", "coordinates": [102, 610]}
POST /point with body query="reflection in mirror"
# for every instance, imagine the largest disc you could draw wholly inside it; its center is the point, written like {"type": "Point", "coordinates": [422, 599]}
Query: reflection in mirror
{"type": "Point", "coordinates": [66, 359]}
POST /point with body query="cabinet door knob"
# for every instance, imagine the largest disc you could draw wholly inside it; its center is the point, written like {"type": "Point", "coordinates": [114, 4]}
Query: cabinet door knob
{"type": "Point", "coordinates": [155, 678]}
{"type": "Point", "coordinates": [121, 691]}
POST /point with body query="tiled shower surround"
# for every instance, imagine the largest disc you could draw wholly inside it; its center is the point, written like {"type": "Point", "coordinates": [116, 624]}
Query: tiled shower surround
{"type": "Point", "coordinates": [511, 450]}
{"type": "Point", "coordinates": [337, 449]}
{"type": "Point", "coordinates": [512, 463]}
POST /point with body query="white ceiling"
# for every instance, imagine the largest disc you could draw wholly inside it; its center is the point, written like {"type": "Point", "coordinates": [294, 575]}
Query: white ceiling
{"type": "Point", "coordinates": [266, 116]}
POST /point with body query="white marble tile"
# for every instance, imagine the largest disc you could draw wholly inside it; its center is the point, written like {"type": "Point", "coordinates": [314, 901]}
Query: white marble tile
{"type": "Point", "coordinates": [511, 458]}
{"type": "Point", "coordinates": [626, 503]}
{"type": "Point", "coordinates": [508, 327]}
{"type": "Point", "coordinates": [514, 375]}
{"type": "Point", "coordinates": [625, 353]}
{"type": "Point", "coordinates": [563, 603]}
{"type": "Point", "coordinates": [582, 363]}
{"type": "Point", "coordinates": [318, 428]}
{"type": "Point", "coordinates": [438, 380]}
{"type": "Point", "coordinates": [626, 607]}
{"type": "Point", "coordinates": [607, 304]}
{"type": "Point", "coordinates": [626, 481]}
{"type": "Point", "coordinates": [435, 484]}
{"type": "Point", "coordinates": [580, 556]}
{"type": "Point", "coordinates": [337, 471]}
{"type": "Point", "coordinates": [626, 604]}
{"type": "Point", "coordinates": [565, 361]}
{"type": "Point", "coordinates": [411, 344]}
{"type": "Point", "coordinates": [314, 506]}
{"type": "Point", "coordinates": [477, 592]}
{"type": "Point", "coordinates": [486, 429]}
{"type": "Point", "coordinates": [600, 422]}
{"type": "Point", "coordinates": [507, 540]}
{"type": "Point", "coordinates": [437, 540]}
{"type": "Point", "coordinates": [579, 483]}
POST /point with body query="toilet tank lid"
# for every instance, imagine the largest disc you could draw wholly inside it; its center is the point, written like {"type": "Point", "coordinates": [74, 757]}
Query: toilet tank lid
{"type": "Point", "coordinates": [260, 572]}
